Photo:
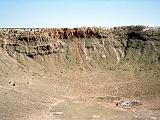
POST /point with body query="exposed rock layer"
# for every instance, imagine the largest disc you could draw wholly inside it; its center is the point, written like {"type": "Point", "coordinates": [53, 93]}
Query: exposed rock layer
{"type": "Point", "coordinates": [132, 50]}
{"type": "Point", "coordinates": [94, 46]}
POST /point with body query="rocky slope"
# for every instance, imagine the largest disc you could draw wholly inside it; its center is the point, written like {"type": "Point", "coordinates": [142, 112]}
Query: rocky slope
{"type": "Point", "coordinates": [39, 65]}
{"type": "Point", "coordinates": [133, 49]}
{"type": "Point", "coordinates": [84, 45]}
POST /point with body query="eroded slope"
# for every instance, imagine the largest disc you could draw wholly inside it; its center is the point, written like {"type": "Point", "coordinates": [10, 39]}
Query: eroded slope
{"type": "Point", "coordinates": [75, 71]}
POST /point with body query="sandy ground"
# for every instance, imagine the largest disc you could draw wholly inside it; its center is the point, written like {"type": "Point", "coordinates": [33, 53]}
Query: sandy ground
{"type": "Point", "coordinates": [59, 98]}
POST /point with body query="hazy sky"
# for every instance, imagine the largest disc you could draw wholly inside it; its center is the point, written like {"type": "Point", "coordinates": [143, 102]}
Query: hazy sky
{"type": "Point", "coordinates": [77, 13]}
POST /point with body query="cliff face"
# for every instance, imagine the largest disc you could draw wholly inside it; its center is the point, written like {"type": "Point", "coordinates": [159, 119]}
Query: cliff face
{"type": "Point", "coordinates": [86, 47]}
{"type": "Point", "coordinates": [134, 50]}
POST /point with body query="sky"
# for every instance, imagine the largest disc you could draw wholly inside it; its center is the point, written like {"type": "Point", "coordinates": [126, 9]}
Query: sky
{"type": "Point", "coordinates": [78, 13]}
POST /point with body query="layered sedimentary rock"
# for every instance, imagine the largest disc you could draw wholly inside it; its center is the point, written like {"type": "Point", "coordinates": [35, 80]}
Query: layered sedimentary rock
{"type": "Point", "coordinates": [89, 47]}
